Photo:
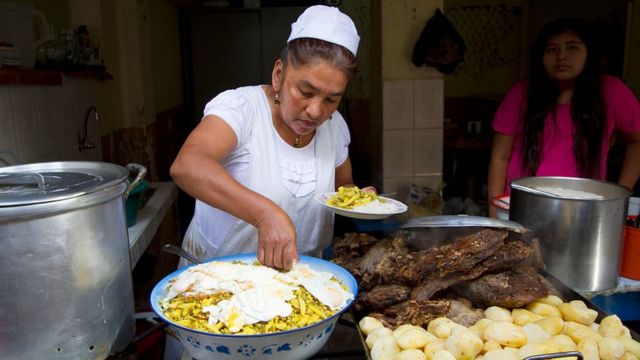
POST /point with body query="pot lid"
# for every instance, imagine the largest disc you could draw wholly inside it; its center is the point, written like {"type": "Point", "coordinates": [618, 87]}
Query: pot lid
{"type": "Point", "coordinates": [54, 181]}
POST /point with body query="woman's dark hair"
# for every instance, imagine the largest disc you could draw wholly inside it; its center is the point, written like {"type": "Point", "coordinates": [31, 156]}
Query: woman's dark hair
{"type": "Point", "coordinates": [587, 106]}
{"type": "Point", "coordinates": [305, 51]}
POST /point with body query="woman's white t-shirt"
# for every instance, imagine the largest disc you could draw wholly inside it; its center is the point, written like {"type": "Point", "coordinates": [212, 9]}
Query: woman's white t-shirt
{"type": "Point", "coordinates": [296, 165]}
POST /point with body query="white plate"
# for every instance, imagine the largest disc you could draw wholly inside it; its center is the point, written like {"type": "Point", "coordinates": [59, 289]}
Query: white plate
{"type": "Point", "coordinates": [399, 208]}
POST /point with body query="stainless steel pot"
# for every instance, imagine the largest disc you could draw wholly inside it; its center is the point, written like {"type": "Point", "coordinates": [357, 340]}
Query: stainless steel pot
{"type": "Point", "coordinates": [66, 277]}
{"type": "Point", "coordinates": [581, 239]}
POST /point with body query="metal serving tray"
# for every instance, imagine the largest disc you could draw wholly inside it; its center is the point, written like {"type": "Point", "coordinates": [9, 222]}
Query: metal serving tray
{"type": "Point", "coordinates": [563, 291]}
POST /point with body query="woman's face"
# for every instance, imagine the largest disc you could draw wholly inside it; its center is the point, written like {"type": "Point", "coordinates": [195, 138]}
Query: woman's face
{"type": "Point", "coordinates": [308, 94]}
{"type": "Point", "coordinates": [564, 57]}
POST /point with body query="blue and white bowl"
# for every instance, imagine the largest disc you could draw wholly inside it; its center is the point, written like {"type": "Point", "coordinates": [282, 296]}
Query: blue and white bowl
{"type": "Point", "coordinates": [295, 344]}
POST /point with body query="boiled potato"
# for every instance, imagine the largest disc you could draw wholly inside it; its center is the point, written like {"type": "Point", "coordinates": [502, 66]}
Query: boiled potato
{"type": "Point", "coordinates": [578, 303]}
{"type": "Point", "coordinates": [552, 325]}
{"type": "Point", "coordinates": [410, 354]}
{"type": "Point", "coordinates": [441, 327]}
{"type": "Point", "coordinates": [523, 316]}
{"type": "Point", "coordinates": [402, 329]}
{"type": "Point", "coordinates": [505, 333]}
{"type": "Point", "coordinates": [610, 348]}
{"type": "Point", "coordinates": [442, 355]}
{"type": "Point", "coordinates": [463, 344]}
{"type": "Point", "coordinates": [543, 309]}
{"type": "Point", "coordinates": [578, 332]}
{"type": "Point", "coordinates": [414, 338]}
{"type": "Point", "coordinates": [500, 354]}
{"type": "Point", "coordinates": [564, 342]}
{"type": "Point", "coordinates": [551, 300]}
{"type": "Point", "coordinates": [578, 313]}
{"type": "Point", "coordinates": [384, 348]}
{"type": "Point", "coordinates": [479, 326]}
{"type": "Point", "coordinates": [611, 326]}
{"type": "Point", "coordinates": [368, 324]}
{"type": "Point", "coordinates": [589, 349]}
{"type": "Point", "coordinates": [537, 348]}
{"type": "Point", "coordinates": [490, 345]}
{"type": "Point", "coordinates": [375, 334]}
{"type": "Point", "coordinates": [630, 345]}
{"type": "Point", "coordinates": [628, 356]}
{"type": "Point", "coordinates": [432, 346]}
{"type": "Point", "coordinates": [497, 313]}
{"type": "Point", "coordinates": [535, 333]}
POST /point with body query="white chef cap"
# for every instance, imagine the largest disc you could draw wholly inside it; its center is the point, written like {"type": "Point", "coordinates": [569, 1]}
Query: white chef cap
{"type": "Point", "coordinates": [328, 24]}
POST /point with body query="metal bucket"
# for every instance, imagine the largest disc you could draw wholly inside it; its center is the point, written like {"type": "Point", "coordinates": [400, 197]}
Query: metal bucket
{"type": "Point", "coordinates": [66, 275]}
{"type": "Point", "coordinates": [580, 239]}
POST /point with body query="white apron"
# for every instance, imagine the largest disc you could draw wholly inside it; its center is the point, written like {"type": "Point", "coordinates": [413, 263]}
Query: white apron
{"type": "Point", "coordinates": [313, 222]}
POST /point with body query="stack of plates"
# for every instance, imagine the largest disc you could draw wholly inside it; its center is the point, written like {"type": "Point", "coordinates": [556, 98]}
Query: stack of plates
{"type": "Point", "coordinates": [9, 56]}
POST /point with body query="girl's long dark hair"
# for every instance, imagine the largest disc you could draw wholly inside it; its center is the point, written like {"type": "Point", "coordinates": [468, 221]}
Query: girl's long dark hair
{"type": "Point", "coordinates": [587, 106]}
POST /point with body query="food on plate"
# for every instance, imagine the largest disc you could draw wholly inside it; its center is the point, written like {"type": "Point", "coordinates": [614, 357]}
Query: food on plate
{"type": "Point", "coordinates": [353, 198]}
{"type": "Point", "coordinates": [237, 298]}
{"type": "Point", "coordinates": [504, 340]}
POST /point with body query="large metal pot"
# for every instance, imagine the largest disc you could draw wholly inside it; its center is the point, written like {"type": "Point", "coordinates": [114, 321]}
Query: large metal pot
{"type": "Point", "coordinates": [581, 239]}
{"type": "Point", "coordinates": [66, 277]}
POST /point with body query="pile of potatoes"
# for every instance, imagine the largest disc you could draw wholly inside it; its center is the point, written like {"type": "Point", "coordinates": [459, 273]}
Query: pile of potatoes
{"type": "Point", "coordinates": [545, 326]}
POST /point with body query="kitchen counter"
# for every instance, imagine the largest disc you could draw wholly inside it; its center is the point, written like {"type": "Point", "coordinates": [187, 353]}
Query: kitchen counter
{"type": "Point", "coordinates": [624, 285]}
{"type": "Point", "coordinates": [150, 217]}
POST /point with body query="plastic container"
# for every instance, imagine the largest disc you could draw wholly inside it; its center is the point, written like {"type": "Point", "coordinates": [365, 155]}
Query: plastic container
{"type": "Point", "coordinates": [133, 202]}
{"type": "Point", "coordinates": [631, 253]}
{"type": "Point", "coordinates": [624, 305]}
{"type": "Point", "coordinates": [501, 203]}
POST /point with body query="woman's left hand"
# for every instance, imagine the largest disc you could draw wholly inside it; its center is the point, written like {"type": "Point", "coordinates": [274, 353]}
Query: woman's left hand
{"type": "Point", "coordinates": [370, 189]}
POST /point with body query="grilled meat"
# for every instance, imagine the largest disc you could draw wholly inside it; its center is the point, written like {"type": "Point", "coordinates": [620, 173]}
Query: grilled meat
{"type": "Point", "coordinates": [382, 296]}
{"type": "Point", "coordinates": [414, 312]}
{"type": "Point", "coordinates": [510, 289]}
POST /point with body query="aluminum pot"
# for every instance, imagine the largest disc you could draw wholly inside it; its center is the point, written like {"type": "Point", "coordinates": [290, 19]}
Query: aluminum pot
{"type": "Point", "coordinates": [581, 239]}
{"type": "Point", "coordinates": [66, 277]}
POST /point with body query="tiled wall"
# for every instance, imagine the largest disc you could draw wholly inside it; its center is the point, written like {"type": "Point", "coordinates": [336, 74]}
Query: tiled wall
{"type": "Point", "coordinates": [42, 123]}
{"type": "Point", "coordinates": [412, 134]}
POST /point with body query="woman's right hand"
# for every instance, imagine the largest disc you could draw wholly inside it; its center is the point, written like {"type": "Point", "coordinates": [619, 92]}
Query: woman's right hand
{"type": "Point", "coordinates": [277, 245]}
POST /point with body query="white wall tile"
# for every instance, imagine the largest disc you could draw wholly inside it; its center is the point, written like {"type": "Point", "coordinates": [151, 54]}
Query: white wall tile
{"type": "Point", "coordinates": [428, 152]}
{"type": "Point", "coordinates": [397, 153]}
{"type": "Point", "coordinates": [428, 103]}
{"type": "Point", "coordinates": [41, 123]}
{"type": "Point", "coordinates": [397, 104]}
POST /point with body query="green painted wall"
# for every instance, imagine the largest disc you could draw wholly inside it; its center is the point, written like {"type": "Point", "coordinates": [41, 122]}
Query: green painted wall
{"type": "Point", "coordinates": [359, 11]}
{"type": "Point", "coordinates": [496, 42]}
{"type": "Point", "coordinates": [56, 11]}
{"type": "Point", "coordinates": [165, 55]}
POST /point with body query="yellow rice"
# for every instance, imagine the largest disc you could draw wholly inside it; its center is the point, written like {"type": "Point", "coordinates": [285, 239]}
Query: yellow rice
{"type": "Point", "coordinates": [350, 197]}
{"type": "Point", "coordinates": [187, 311]}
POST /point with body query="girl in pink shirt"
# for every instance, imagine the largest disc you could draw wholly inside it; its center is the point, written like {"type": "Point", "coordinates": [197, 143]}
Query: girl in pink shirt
{"type": "Point", "coordinates": [561, 120]}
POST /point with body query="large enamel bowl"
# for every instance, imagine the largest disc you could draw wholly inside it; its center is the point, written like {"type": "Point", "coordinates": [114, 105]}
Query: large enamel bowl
{"type": "Point", "coordinates": [295, 344]}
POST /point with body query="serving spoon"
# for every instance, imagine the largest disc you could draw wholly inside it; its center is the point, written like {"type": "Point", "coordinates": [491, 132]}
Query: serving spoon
{"type": "Point", "coordinates": [176, 250]}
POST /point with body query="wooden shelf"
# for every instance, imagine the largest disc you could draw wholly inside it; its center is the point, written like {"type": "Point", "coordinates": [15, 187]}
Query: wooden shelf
{"type": "Point", "coordinates": [17, 76]}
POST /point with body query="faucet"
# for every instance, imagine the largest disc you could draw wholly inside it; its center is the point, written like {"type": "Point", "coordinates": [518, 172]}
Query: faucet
{"type": "Point", "coordinates": [83, 138]}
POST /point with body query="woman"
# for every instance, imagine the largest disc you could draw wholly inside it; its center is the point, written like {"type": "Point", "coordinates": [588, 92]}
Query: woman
{"type": "Point", "coordinates": [560, 121]}
{"type": "Point", "coordinates": [261, 153]}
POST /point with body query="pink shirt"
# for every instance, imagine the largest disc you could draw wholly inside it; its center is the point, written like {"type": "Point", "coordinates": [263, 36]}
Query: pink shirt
{"type": "Point", "coordinates": [557, 159]}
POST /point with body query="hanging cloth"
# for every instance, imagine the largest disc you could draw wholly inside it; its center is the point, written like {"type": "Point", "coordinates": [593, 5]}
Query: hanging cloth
{"type": "Point", "coordinates": [439, 45]}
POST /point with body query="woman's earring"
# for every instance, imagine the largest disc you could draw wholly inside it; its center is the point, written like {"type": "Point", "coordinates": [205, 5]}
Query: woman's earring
{"type": "Point", "coordinates": [277, 99]}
